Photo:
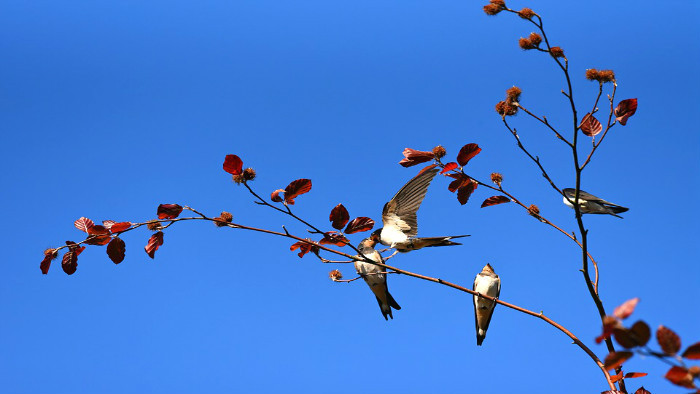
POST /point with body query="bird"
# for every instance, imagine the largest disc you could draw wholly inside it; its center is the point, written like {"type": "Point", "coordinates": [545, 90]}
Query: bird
{"type": "Point", "coordinates": [375, 276]}
{"type": "Point", "coordinates": [589, 203]}
{"type": "Point", "coordinates": [486, 283]}
{"type": "Point", "coordinates": [400, 225]}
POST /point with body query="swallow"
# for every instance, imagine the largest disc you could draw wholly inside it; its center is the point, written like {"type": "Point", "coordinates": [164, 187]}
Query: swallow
{"type": "Point", "coordinates": [375, 276]}
{"type": "Point", "coordinates": [400, 220]}
{"type": "Point", "coordinates": [487, 283]}
{"type": "Point", "coordinates": [589, 203]}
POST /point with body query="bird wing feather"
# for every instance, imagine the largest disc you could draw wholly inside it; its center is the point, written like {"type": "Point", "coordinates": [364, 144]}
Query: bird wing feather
{"type": "Point", "coordinates": [400, 211]}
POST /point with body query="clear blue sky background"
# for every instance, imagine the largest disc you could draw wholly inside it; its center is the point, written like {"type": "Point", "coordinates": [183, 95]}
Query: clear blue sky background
{"type": "Point", "coordinates": [109, 108]}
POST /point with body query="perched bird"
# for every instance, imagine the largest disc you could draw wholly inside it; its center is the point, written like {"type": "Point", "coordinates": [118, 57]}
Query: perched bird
{"type": "Point", "coordinates": [400, 221]}
{"type": "Point", "coordinates": [487, 283]}
{"type": "Point", "coordinates": [375, 276]}
{"type": "Point", "coordinates": [589, 203]}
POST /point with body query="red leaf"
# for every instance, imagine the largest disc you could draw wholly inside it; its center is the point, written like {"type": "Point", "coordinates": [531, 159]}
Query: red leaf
{"type": "Point", "coordinates": [359, 224]}
{"type": "Point", "coordinates": [615, 378]}
{"type": "Point", "coordinates": [590, 126]}
{"type": "Point", "coordinates": [615, 359]}
{"type": "Point", "coordinates": [609, 324]}
{"type": "Point", "coordinates": [83, 224]}
{"type": "Point", "coordinates": [449, 167]}
{"type": "Point", "coordinates": [413, 157]}
{"type": "Point", "coordinates": [98, 235]}
{"type": "Point", "coordinates": [116, 250]}
{"type": "Point", "coordinates": [119, 227]}
{"type": "Point", "coordinates": [154, 243]}
{"type": "Point", "coordinates": [304, 248]}
{"type": "Point", "coordinates": [459, 181]}
{"type": "Point", "coordinates": [631, 375]}
{"type": "Point", "coordinates": [642, 390]}
{"type": "Point", "coordinates": [625, 109]}
{"type": "Point", "coordinates": [680, 377]}
{"type": "Point", "coordinates": [169, 211]}
{"type": "Point", "coordinates": [334, 238]}
{"type": "Point", "coordinates": [465, 191]}
{"type": "Point", "coordinates": [669, 341]}
{"type": "Point", "coordinates": [108, 224]}
{"type": "Point", "coordinates": [692, 352]}
{"type": "Point", "coordinates": [625, 310]}
{"type": "Point", "coordinates": [494, 200]}
{"type": "Point", "coordinates": [467, 152]}
{"type": "Point", "coordinates": [49, 255]}
{"type": "Point", "coordinates": [638, 335]}
{"type": "Point", "coordinates": [275, 196]}
{"type": "Point", "coordinates": [296, 188]}
{"type": "Point", "coordinates": [233, 165]}
{"type": "Point", "coordinates": [70, 262]}
{"type": "Point", "coordinates": [339, 217]}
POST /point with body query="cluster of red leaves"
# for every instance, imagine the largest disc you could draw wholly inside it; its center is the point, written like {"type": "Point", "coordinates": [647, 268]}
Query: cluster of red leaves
{"type": "Point", "coordinates": [637, 336]}
{"type": "Point", "coordinates": [292, 191]}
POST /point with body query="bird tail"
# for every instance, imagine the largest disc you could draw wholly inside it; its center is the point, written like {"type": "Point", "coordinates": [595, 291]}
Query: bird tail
{"type": "Point", "coordinates": [439, 241]}
{"type": "Point", "coordinates": [392, 302]}
{"type": "Point", "coordinates": [615, 209]}
{"type": "Point", "coordinates": [480, 335]}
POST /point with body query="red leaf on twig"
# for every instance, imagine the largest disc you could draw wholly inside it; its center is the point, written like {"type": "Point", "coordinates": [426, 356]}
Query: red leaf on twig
{"type": "Point", "coordinates": [616, 378]}
{"type": "Point", "coordinates": [449, 167]}
{"type": "Point", "coordinates": [610, 323]}
{"type": "Point", "coordinates": [334, 238]}
{"type": "Point", "coordinates": [642, 390]}
{"type": "Point", "coordinates": [692, 352]}
{"type": "Point", "coordinates": [669, 341]}
{"type": "Point", "coordinates": [359, 224]}
{"type": "Point", "coordinates": [339, 217]}
{"type": "Point", "coordinates": [304, 248]}
{"type": "Point", "coordinates": [83, 224]}
{"type": "Point", "coordinates": [590, 126]}
{"type": "Point", "coordinates": [625, 310]}
{"type": "Point", "coordinates": [169, 211]}
{"type": "Point", "coordinates": [233, 165]}
{"type": "Point", "coordinates": [98, 235]}
{"type": "Point", "coordinates": [108, 224]}
{"type": "Point", "coordinates": [296, 188]}
{"type": "Point", "coordinates": [464, 192]}
{"type": "Point", "coordinates": [154, 243]}
{"type": "Point", "coordinates": [625, 109]}
{"type": "Point", "coordinates": [680, 377]}
{"type": "Point", "coordinates": [413, 157]}
{"type": "Point", "coordinates": [119, 227]}
{"type": "Point", "coordinates": [459, 181]}
{"type": "Point", "coordinates": [632, 375]}
{"type": "Point", "coordinates": [275, 196]}
{"type": "Point", "coordinates": [116, 250]}
{"type": "Point", "coordinates": [495, 200]}
{"type": "Point", "coordinates": [638, 335]}
{"type": "Point", "coordinates": [70, 262]}
{"type": "Point", "coordinates": [49, 255]}
{"type": "Point", "coordinates": [467, 152]}
{"type": "Point", "coordinates": [615, 359]}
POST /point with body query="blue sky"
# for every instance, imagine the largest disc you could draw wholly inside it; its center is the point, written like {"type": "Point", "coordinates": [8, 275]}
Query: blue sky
{"type": "Point", "coordinates": [110, 108]}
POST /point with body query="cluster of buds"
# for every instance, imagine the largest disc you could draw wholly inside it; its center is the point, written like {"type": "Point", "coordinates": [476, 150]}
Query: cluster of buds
{"type": "Point", "coordinates": [534, 211]}
{"type": "Point", "coordinates": [439, 152]}
{"type": "Point", "coordinates": [247, 175]}
{"type": "Point", "coordinates": [494, 7]}
{"type": "Point", "coordinates": [223, 219]}
{"type": "Point", "coordinates": [556, 52]}
{"type": "Point", "coordinates": [533, 41]}
{"type": "Point", "coordinates": [509, 106]}
{"type": "Point", "coordinates": [496, 178]}
{"type": "Point", "coordinates": [154, 225]}
{"type": "Point", "coordinates": [526, 13]}
{"type": "Point", "coordinates": [601, 76]}
{"type": "Point", "coordinates": [335, 275]}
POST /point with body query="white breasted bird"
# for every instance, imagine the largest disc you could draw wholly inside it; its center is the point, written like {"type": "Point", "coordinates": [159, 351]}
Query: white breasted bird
{"type": "Point", "coordinates": [375, 276]}
{"type": "Point", "coordinates": [400, 219]}
{"type": "Point", "coordinates": [589, 203]}
{"type": "Point", "coordinates": [487, 283]}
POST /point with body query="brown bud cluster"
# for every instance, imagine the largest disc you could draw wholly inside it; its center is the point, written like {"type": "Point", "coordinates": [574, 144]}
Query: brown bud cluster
{"type": "Point", "coordinates": [556, 52]}
{"type": "Point", "coordinates": [533, 210]}
{"type": "Point", "coordinates": [526, 13]}
{"type": "Point", "coordinates": [494, 7]}
{"type": "Point", "coordinates": [154, 225]}
{"type": "Point", "coordinates": [439, 152]}
{"type": "Point", "coordinates": [504, 108]}
{"type": "Point", "coordinates": [223, 219]}
{"type": "Point", "coordinates": [496, 178]}
{"type": "Point", "coordinates": [602, 76]}
{"type": "Point", "coordinates": [513, 94]}
{"type": "Point", "coordinates": [335, 275]}
{"type": "Point", "coordinates": [533, 41]}
{"type": "Point", "coordinates": [238, 178]}
{"type": "Point", "coordinates": [51, 253]}
{"type": "Point", "coordinates": [249, 174]}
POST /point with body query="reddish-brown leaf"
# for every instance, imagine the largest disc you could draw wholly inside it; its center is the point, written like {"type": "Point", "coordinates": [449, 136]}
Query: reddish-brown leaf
{"type": "Point", "coordinates": [83, 224]}
{"type": "Point", "coordinates": [610, 323]}
{"type": "Point", "coordinates": [334, 238]}
{"type": "Point", "coordinates": [642, 390]}
{"type": "Point", "coordinates": [590, 126]}
{"type": "Point", "coordinates": [467, 153]}
{"type": "Point", "coordinates": [692, 352]}
{"type": "Point", "coordinates": [108, 224]}
{"type": "Point", "coordinates": [49, 255]}
{"type": "Point", "coordinates": [339, 217]}
{"type": "Point", "coordinates": [70, 262]}
{"type": "Point", "coordinates": [116, 250]}
{"type": "Point", "coordinates": [154, 243]}
{"type": "Point", "coordinates": [680, 377]}
{"type": "Point", "coordinates": [494, 200]}
{"type": "Point", "coordinates": [98, 235]}
{"type": "Point", "coordinates": [625, 310]}
{"type": "Point", "coordinates": [669, 341]}
{"type": "Point", "coordinates": [304, 248]}
{"type": "Point", "coordinates": [459, 181]}
{"type": "Point", "coordinates": [275, 196]}
{"type": "Point", "coordinates": [615, 359]}
{"type": "Point", "coordinates": [632, 375]}
{"type": "Point", "coordinates": [233, 165]}
{"type": "Point", "coordinates": [413, 157]}
{"type": "Point", "coordinates": [449, 167]}
{"type": "Point", "coordinates": [119, 227]}
{"type": "Point", "coordinates": [169, 211]}
{"type": "Point", "coordinates": [359, 224]}
{"type": "Point", "coordinates": [625, 109]}
{"type": "Point", "coordinates": [296, 188]}
{"type": "Point", "coordinates": [616, 378]}
{"type": "Point", "coordinates": [641, 333]}
{"type": "Point", "coordinates": [464, 192]}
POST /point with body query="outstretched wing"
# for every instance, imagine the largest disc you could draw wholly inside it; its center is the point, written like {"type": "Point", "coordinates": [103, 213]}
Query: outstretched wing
{"type": "Point", "coordinates": [400, 212]}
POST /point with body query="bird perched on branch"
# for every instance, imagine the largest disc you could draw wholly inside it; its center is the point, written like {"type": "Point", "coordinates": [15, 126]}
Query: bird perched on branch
{"type": "Point", "coordinates": [375, 276]}
{"type": "Point", "coordinates": [487, 283]}
{"type": "Point", "coordinates": [589, 203]}
{"type": "Point", "coordinates": [400, 219]}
